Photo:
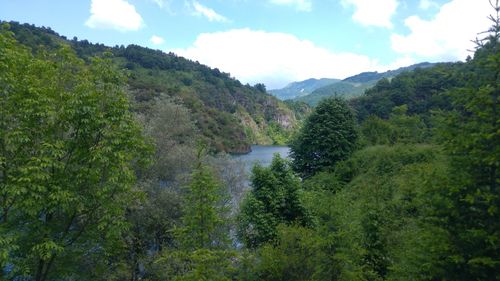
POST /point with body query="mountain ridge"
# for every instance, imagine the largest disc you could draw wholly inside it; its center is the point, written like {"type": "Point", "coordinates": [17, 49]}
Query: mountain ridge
{"type": "Point", "coordinates": [356, 85]}
{"type": "Point", "coordinates": [301, 88]}
{"type": "Point", "coordinates": [230, 116]}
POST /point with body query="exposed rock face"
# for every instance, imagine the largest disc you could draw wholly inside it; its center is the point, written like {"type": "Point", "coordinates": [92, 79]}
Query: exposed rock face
{"type": "Point", "coordinates": [285, 120]}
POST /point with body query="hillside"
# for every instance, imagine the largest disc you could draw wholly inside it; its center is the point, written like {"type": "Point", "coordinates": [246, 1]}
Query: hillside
{"type": "Point", "coordinates": [231, 116]}
{"type": "Point", "coordinates": [301, 88]}
{"type": "Point", "coordinates": [356, 85]}
{"type": "Point", "coordinates": [421, 91]}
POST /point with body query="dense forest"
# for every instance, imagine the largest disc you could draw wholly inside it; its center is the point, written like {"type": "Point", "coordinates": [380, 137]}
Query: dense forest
{"type": "Point", "coordinates": [230, 116]}
{"type": "Point", "coordinates": [101, 179]}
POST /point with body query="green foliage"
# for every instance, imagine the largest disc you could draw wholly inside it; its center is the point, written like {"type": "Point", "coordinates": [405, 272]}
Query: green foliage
{"type": "Point", "coordinates": [471, 138]}
{"type": "Point", "coordinates": [362, 219]}
{"type": "Point", "coordinates": [203, 214]}
{"type": "Point", "coordinates": [297, 255]}
{"type": "Point", "coordinates": [68, 144]}
{"type": "Point", "coordinates": [421, 90]}
{"type": "Point", "coordinates": [274, 199]}
{"type": "Point", "coordinates": [201, 264]}
{"type": "Point", "coordinates": [171, 128]}
{"type": "Point", "coordinates": [400, 128]}
{"type": "Point", "coordinates": [328, 136]}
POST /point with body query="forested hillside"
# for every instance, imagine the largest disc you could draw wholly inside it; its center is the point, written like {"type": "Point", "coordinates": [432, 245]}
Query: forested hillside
{"type": "Point", "coordinates": [356, 85]}
{"type": "Point", "coordinates": [230, 115]}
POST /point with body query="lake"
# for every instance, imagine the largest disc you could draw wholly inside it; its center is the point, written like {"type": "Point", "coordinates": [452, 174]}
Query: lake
{"type": "Point", "coordinates": [262, 154]}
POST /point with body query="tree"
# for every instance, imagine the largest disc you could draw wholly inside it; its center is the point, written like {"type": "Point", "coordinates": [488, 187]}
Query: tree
{"type": "Point", "coordinates": [328, 136]}
{"type": "Point", "coordinates": [68, 144]}
{"type": "Point", "coordinates": [274, 199]}
{"type": "Point", "coordinates": [298, 255]}
{"type": "Point", "coordinates": [470, 136]}
{"type": "Point", "coordinates": [170, 125]}
{"type": "Point", "coordinates": [203, 214]}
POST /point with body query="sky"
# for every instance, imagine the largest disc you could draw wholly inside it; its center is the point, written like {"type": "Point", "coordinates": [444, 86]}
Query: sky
{"type": "Point", "coordinates": [274, 42]}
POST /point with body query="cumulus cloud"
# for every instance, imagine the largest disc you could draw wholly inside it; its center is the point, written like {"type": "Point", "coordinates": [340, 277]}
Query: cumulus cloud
{"type": "Point", "coordinates": [210, 14]}
{"type": "Point", "coordinates": [272, 58]}
{"type": "Point", "coordinates": [373, 13]}
{"type": "Point", "coordinates": [448, 35]}
{"type": "Point", "coordinates": [300, 5]}
{"type": "Point", "coordinates": [114, 14]}
{"type": "Point", "coordinates": [156, 40]}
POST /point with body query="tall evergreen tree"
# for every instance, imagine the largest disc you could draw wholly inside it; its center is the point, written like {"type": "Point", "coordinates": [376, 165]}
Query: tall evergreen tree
{"type": "Point", "coordinates": [204, 214]}
{"type": "Point", "coordinates": [471, 137]}
{"type": "Point", "coordinates": [328, 136]}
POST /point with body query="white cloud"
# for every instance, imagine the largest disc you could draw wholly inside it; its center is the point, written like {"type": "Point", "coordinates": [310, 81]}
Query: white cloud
{"type": "Point", "coordinates": [156, 40]}
{"type": "Point", "coordinates": [272, 58]}
{"type": "Point", "coordinates": [371, 12]}
{"type": "Point", "coordinates": [300, 5]}
{"type": "Point", "coordinates": [210, 14]}
{"type": "Point", "coordinates": [448, 35]}
{"type": "Point", "coordinates": [114, 14]}
{"type": "Point", "coordinates": [400, 62]}
{"type": "Point", "coordinates": [427, 4]}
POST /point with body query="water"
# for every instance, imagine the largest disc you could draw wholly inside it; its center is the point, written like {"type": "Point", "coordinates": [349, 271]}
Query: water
{"type": "Point", "coordinates": [262, 154]}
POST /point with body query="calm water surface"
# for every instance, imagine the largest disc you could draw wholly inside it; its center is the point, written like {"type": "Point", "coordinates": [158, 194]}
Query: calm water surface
{"type": "Point", "coordinates": [262, 155]}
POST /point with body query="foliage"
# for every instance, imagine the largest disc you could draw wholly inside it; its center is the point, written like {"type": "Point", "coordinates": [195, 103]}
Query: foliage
{"type": "Point", "coordinates": [203, 214]}
{"type": "Point", "coordinates": [399, 128]}
{"type": "Point", "coordinates": [422, 90]}
{"type": "Point", "coordinates": [298, 255]}
{"type": "Point", "coordinates": [170, 126]}
{"type": "Point", "coordinates": [328, 136]}
{"type": "Point", "coordinates": [274, 199]}
{"type": "Point", "coordinates": [470, 136]}
{"type": "Point", "coordinates": [68, 144]}
{"type": "Point", "coordinates": [200, 264]}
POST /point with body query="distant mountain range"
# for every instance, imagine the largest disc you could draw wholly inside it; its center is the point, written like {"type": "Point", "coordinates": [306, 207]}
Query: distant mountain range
{"type": "Point", "coordinates": [302, 88]}
{"type": "Point", "coordinates": [312, 91]}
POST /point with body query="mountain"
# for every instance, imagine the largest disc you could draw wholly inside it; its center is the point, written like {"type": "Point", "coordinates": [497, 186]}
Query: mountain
{"type": "Point", "coordinates": [302, 88]}
{"type": "Point", "coordinates": [366, 77]}
{"type": "Point", "coordinates": [356, 85]}
{"type": "Point", "coordinates": [230, 116]}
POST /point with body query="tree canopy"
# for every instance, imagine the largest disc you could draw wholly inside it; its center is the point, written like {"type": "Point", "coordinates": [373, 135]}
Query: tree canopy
{"type": "Point", "coordinates": [327, 137]}
{"type": "Point", "coordinates": [68, 144]}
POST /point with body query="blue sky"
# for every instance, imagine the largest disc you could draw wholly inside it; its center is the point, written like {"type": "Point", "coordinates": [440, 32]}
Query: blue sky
{"type": "Point", "coordinates": [272, 41]}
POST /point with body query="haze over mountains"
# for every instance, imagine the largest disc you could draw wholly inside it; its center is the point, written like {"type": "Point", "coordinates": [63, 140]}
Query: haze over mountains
{"type": "Point", "coordinates": [313, 90]}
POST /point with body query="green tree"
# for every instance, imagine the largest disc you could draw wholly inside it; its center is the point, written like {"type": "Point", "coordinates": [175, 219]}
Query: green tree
{"type": "Point", "coordinates": [471, 138]}
{"type": "Point", "coordinates": [68, 144]}
{"type": "Point", "coordinates": [328, 136]}
{"type": "Point", "coordinates": [274, 199]}
{"type": "Point", "coordinates": [297, 256]}
{"type": "Point", "coordinates": [203, 218]}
